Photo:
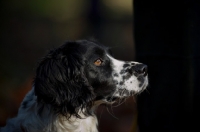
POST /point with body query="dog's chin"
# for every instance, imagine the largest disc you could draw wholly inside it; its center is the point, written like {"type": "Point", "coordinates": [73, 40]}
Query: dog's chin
{"type": "Point", "coordinates": [121, 94]}
{"type": "Point", "coordinates": [113, 99]}
{"type": "Point", "coordinates": [108, 100]}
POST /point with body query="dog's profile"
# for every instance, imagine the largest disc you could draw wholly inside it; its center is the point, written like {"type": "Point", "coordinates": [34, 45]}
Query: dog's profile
{"type": "Point", "coordinates": [70, 82]}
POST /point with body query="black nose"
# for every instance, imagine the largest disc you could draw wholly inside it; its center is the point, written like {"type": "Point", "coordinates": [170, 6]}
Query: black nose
{"type": "Point", "coordinates": [141, 69]}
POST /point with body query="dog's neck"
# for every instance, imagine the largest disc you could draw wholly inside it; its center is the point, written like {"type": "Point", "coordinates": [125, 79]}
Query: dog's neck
{"type": "Point", "coordinates": [47, 120]}
{"type": "Point", "coordinates": [74, 124]}
{"type": "Point", "coordinates": [87, 124]}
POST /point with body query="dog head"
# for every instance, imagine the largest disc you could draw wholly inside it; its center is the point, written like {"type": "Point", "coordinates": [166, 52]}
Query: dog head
{"type": "Point", "coordinates": [74, 76]}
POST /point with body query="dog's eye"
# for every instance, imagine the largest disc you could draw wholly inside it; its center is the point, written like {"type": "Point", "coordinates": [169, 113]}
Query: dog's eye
{"type": "Point", "coordinates": [98, 62]}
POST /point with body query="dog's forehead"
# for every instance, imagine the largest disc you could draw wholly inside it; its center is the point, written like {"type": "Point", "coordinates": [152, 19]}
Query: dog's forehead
{"type": "Point", "coordinates": [86, 49]}
{"type": "Point", "coordinates": [93, 48]}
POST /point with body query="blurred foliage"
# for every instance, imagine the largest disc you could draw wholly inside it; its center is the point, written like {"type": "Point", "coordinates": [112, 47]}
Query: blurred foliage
{"type": "Point", "coordinates": [58, 10]}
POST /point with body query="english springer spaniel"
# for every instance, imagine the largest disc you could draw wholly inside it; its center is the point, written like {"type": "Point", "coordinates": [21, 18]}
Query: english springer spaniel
{"type": "Point", "coordinates": [70, 82]}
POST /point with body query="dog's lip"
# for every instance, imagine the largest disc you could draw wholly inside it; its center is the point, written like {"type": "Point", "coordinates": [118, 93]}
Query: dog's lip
{"type": "Point", "coordinates": [115, 99]}
{"type": "Point", "coordinates": [112, 99]}
{"type": "Point", "coordinates": [109, 98]}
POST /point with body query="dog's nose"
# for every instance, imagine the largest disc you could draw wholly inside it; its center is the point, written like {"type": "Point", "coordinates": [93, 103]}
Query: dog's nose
{"type": "Point", "coordinates": [141, 69]}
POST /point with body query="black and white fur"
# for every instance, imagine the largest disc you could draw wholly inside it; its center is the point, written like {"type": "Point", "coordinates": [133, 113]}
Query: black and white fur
{"type": "Point", "coordinates": [69, 85]}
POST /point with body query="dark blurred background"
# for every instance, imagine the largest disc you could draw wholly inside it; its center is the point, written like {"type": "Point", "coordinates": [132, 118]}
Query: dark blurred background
{"type": "Point", "coordinates": [165, 35]}
{"type": "Point", "coordinates": [29, 28]}
{"type": "Point", "coordinates": [167, 39]}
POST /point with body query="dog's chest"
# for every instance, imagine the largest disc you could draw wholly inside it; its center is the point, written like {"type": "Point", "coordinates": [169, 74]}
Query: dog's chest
{"type": "Point", "coordinates": [88, 124]}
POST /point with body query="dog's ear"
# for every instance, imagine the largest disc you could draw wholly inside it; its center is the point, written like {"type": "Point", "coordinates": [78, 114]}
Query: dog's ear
{"type": "Point", "coordinates": [60, 81]}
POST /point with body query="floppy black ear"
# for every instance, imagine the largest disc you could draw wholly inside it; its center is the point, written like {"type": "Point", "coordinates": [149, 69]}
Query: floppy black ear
{"type": "Point", "coordinates": [60, 82]}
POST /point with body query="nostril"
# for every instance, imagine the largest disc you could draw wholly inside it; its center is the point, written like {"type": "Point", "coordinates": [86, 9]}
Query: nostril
{"type": "Point", "coordinates": [141, 69]}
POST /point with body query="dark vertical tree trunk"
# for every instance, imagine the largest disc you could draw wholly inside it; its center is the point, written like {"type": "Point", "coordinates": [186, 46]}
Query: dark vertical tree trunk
{"type": "Point", "coordinates": [167, 38]}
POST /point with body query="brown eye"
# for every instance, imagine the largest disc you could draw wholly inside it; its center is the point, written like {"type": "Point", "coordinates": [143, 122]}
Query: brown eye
{"type": "Point", "coordinates": [98, 62]}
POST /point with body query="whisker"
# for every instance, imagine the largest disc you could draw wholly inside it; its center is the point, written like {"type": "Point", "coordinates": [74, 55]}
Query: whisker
{"type": "Point", "coordinates": [122, 100]}
{"type": "Point", "coordinates": [134, 99]}
{"type": "Point", "coordinates": [147, 91]}
{"type": "Point", "coordinates": [113, 96]}
{"type": "Point", "coordinates": [112, 114]}
{"type": "Point", "coordinates": [101, 113]}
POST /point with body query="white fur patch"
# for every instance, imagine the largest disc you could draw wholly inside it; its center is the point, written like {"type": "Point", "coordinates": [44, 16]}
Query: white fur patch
{"type": "Point", "coordinates": [131, 83]}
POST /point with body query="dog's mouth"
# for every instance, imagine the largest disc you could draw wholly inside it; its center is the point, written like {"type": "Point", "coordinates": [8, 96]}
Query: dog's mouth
{"type": "Point", "coordinates": [112, 99]}
{"type": "Point", "coordinates": [115, 99]}
{"type": "Point", "coordinates": [109, 99]}
{"type": "Point", "coordinates": [121, 95]}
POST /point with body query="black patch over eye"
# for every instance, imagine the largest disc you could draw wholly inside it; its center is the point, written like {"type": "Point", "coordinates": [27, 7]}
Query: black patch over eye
{"type": "Point", "coordinates": [98, 62]}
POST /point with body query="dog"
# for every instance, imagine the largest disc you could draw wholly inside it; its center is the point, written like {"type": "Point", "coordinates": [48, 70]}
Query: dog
{"type": "Point", "coordinates": [70, 82]}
